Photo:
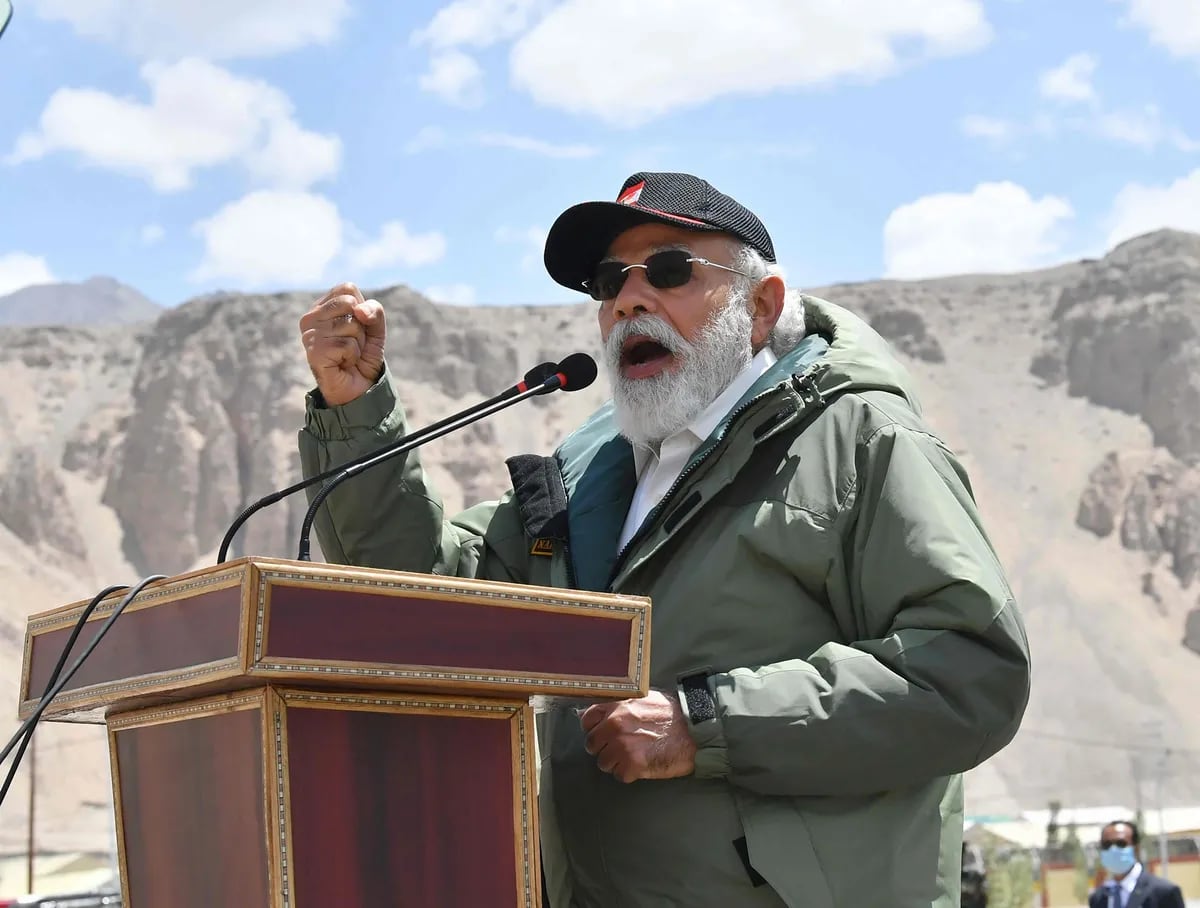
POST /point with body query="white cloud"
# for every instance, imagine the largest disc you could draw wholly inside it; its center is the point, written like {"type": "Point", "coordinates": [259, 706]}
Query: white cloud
{"type": "Point", "coordinates": [20, 269]}
{"type": "Point", "coordinates": [531, 239]}
{"type": "Point", "coordinates": [455, 78]}
{"type": "Point", "coordinates": [997, 227]}
{"type": "Point", "coordinates": [478, 23]}
{"type": "Point", "coordinates": [1174, 24]}
{"type": "Point", "coordinates": [978, 126]}
{"type": "Point", "coordinates": [217, 29]}
{"type": "Point", "coordinates": [1071, 80]}
{"type": "Point", "coordinates": [293, 157]}
{"type": "Point", "coordinates": [1144, 129]}
{"type": "Point", "coordinates": [270, 237]}
{"type": "Point", "coordinates": [644, 70]}
{"type": "Point", "coordinates": [454, 294]}
{"type": "Point", "coordinates": [1140, 209]}
{"type": "Point", "coordinates": [396, 246]}
{"type": "Point", "coordinates": [153, 233]}
{"type": "Point", "coordinates": [536, 146]}
{"type": "Point", "coordinates": [429, 138]}
{"type": "Point", "coordinates": [660, 57]}
{"type": "Point", "coordinates": [199, 115]}
{"type": "Point", "coordinates": [283, 237]}
{"type": "Point", "coordinates": [426, 139]}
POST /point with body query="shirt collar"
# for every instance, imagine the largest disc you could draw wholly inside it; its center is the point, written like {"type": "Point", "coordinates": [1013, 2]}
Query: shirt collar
{"type": "Point", "coordinates": [707, 421]}
{"type": "Point", "coordinates": [1130, 879]}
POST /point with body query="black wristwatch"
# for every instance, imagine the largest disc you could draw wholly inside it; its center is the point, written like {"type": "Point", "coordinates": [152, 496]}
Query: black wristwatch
{"type": "Point", "coordinates": [700, 704]}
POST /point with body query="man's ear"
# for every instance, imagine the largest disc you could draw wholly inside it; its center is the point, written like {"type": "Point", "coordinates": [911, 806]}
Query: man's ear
{"type": "Point", "coordinates": [766, 307]}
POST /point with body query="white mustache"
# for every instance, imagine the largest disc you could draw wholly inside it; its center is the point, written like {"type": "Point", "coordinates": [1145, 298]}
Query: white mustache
{"type": "Point", "coordinates": [650, 326]}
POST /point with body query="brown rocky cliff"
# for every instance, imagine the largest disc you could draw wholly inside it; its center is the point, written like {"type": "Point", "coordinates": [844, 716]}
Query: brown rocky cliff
{"type": "Point", "coordinates": [1128, 336]}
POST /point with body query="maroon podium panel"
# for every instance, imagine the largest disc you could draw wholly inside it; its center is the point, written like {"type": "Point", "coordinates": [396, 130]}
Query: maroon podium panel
{"type": "Point", "coordinates": [191, 808]}
{"type": "Point", "coordinates": [379, 835]}
{"type": "Point", "coordinates": [282, 798]}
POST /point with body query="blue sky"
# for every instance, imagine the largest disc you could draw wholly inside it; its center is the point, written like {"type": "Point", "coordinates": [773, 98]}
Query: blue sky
{"type": "Point", "coordinates": [184, 147]}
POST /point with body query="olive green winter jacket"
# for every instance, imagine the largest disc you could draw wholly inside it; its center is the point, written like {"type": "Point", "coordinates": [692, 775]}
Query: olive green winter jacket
{"type": "Point", "coordinates": [820, 562]}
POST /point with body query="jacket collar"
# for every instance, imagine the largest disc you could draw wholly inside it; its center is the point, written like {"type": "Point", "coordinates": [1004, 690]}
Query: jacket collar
{"type": "Point", "coordinates": [598, 464]}
{"type": "Point", "coordinates": [600, 477]}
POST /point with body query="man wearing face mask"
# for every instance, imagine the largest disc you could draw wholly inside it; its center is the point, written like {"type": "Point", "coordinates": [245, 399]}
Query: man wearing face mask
{"type": "Point", "coordinates": [1129, 884]}
{"type": "Point", "coordinates": [834, 640]}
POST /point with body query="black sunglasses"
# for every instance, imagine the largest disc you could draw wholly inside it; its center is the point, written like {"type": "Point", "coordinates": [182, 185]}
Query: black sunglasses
{"type": "Point", "coordinates": [664, 270]}
{"type": "Point", "coordinates": [1115, 843]}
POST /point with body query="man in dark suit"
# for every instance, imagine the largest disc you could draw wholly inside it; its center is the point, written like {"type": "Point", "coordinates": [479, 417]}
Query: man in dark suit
{"type": "Point", "coordinates": [1129, 884]}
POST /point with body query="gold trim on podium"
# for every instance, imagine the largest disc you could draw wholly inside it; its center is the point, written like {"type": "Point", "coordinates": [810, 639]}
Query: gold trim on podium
{"type": "Point", "coordinates": [246, 664]}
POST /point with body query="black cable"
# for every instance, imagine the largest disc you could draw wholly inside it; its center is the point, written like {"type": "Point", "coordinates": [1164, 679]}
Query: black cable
{"type": "Point", "coordinates": [26, 729]}
{"type": "Point", "coordinates": [62, 660]}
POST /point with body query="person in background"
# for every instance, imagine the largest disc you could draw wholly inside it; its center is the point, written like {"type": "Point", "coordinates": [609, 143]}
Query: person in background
{"type": "Point", "coordinates": [1129, 884]}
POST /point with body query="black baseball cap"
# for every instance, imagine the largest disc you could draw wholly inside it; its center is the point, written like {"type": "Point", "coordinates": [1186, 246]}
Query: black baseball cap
{"type": "Point", "coordinates": [581, 235]}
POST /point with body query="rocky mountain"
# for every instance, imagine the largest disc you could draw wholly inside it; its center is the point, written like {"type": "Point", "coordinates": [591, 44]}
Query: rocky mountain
{"type": "Point", "coordinates": [96, 301]}
{"type": "Point", "coordinates": [1129, 338]}
{"type": "Point", "coordinates": [1070, 393]}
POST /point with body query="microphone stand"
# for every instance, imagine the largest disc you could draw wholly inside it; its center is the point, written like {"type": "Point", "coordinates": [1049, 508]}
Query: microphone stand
{"type": "Point", "coordinates": [553, 383]}
{"type": "Point", "coordinates": [538, 374]}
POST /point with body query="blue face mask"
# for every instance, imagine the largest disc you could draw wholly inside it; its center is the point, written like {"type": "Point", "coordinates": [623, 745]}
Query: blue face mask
{"type": "Point", "coordinates": [1118, 861]}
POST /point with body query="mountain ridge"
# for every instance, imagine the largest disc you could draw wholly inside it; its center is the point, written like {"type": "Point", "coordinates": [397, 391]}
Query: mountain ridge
{"type": "Point", "coordinates": [98, 301]}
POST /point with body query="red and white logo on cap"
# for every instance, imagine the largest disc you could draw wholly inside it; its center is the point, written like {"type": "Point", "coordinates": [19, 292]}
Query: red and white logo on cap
{"type": "Point", "coordinates": [631, 195]}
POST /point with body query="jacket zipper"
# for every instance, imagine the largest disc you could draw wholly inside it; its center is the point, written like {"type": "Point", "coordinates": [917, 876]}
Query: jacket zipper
{"type": "Point", "coordinates": [682, 478]}
{"type": "Point", "coordinates": [571, 584]}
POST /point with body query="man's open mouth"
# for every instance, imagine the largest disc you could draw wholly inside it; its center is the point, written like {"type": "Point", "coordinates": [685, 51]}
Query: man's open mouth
{"type": "Point", "coordinates": [639, 350]}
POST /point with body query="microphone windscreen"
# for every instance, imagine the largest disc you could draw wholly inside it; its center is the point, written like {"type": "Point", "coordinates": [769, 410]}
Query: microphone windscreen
{"type": "Point", "coordinates": [538, 374]}
{"type": "Point", "coordinates": [579, 370]}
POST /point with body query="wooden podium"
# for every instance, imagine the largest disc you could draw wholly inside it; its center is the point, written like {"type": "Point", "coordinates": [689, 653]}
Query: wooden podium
{"type": "Point", "coordinates": [286, 734]}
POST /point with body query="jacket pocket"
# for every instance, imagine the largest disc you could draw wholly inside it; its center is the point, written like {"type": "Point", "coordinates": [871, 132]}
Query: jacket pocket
{"type": "Point", "coordinates": [780, 849]}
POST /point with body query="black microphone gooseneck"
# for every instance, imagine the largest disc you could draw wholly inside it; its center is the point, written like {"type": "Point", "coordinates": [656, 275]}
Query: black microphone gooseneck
{"type": "Point", "coordinates": [535, 376]}
{"type": "Point", "coordinates": [575, 372]}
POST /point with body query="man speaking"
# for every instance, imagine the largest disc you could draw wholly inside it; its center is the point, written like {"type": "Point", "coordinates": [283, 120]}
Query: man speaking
{"type": "Point", "coordinates": [834, 640]}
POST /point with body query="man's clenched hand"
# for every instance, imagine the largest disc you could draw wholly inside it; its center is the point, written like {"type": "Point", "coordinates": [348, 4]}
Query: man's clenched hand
{"type": "Point", "coordinates": [343, 337]}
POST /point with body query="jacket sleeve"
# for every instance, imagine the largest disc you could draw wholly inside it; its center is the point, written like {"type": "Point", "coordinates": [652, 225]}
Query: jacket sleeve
{"type": "Point", "coordinates": [390, 516]}
{"type": "Point", "coordinates": [938, 676]}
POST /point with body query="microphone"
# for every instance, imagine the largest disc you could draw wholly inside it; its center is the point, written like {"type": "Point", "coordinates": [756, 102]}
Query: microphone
{"type": "Point", "coordinates": [574, 373]}
{"type": "Point", "coordinates": [534, 377]}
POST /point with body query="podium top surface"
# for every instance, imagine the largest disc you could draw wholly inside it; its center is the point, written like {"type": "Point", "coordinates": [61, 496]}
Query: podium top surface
{"type": "Point", "coordinates": [257, 620]}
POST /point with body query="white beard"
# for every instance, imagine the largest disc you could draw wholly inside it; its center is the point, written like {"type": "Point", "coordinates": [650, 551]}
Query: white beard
{"type": "Point", "coordinates": [648, 410]}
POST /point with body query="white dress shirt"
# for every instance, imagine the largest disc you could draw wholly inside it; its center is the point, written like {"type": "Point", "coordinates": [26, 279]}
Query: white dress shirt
{"type": "Point", "coordinates": [1126, 884]}
{"type": "Point", "coordinates": [658, 470]}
